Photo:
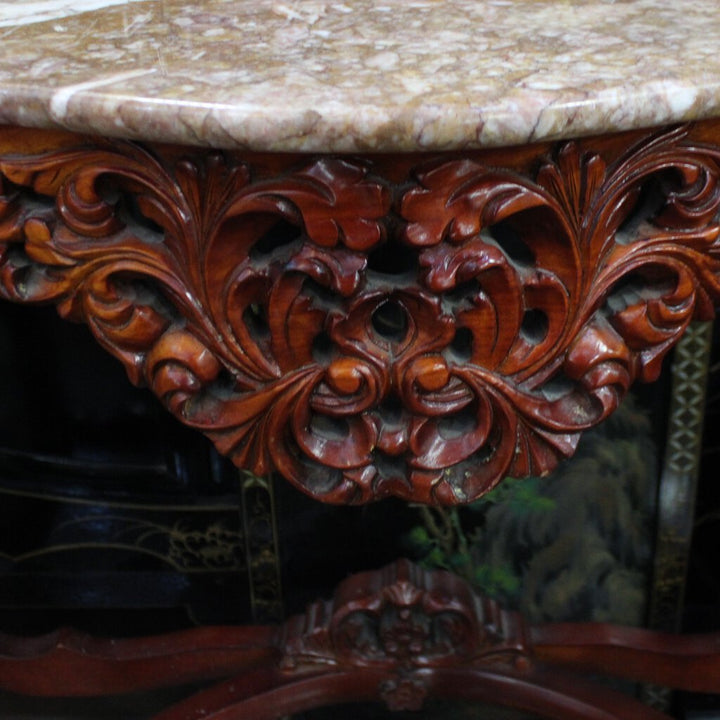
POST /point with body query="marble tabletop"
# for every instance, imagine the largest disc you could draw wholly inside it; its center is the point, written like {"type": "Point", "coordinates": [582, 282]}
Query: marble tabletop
{"type": "Point", "coordinates": [357, 75]}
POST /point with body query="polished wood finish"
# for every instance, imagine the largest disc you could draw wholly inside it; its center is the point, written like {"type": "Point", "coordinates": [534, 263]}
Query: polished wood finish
{"type": "Point", "coordinates": [690, 662]}
{"type": "Point", "coordinates": [399, 636]}
{"type": "Point", "coordinates": [70, 664]}
{"type": "Point", "coordinates": [412, 326]}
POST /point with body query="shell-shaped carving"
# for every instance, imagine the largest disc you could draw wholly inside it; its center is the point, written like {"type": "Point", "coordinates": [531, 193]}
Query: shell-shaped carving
{"type": "Point", "coordinates": [403, 618]}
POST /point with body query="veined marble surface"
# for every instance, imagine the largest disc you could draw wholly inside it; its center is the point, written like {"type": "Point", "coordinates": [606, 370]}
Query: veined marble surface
{"type": "Point", "coordinates": [357, 75]}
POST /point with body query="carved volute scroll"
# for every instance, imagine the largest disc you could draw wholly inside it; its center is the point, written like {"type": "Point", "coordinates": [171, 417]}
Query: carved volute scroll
{"type": "Point", "coordinates": [403, 620]}
{"type": "Point", "coordinates": [364, 330]}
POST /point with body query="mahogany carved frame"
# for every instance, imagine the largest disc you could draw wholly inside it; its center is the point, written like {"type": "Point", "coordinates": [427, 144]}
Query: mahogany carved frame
{"type": "Point", "coordinates": [418, 326]}
{"type": "Point", "coordinates": [413, 326]}
{"type": "Point", "coordinates": [398, 636]}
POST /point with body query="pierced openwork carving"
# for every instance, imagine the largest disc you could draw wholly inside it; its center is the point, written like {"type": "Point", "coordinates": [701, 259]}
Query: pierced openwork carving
{"type": "Point", "coordinates": [422, 338]}
{"type": "Point", "coordinates": [403, 619]}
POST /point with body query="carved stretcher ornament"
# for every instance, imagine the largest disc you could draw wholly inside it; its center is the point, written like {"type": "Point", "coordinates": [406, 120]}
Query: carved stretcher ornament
{"type": "Point", "coordinates": [399, 635]}
{"type": "Point", "coordinates": [420, 330]}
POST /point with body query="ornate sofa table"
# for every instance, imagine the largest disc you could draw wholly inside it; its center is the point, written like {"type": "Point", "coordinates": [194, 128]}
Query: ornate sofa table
{"type": "Point", "coordinates": [400, 248]}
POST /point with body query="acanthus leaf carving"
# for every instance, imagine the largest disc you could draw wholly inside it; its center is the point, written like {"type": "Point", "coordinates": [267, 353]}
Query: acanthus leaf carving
{"type": "Point", "coordinates": [422, 338]}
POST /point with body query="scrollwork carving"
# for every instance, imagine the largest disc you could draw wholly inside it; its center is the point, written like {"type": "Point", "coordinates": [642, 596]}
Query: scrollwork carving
{"type": "Point", "coordinates": [421, 338]}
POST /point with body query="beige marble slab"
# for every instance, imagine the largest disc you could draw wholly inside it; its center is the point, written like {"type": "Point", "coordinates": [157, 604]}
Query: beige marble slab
{"type": "Point", "coordinates": [359, 75]}
{"type": "Point", "coordinates": [34, 11]}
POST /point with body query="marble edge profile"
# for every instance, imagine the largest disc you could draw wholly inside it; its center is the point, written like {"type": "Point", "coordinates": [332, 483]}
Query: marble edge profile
{"type": "Point", "coordinates": [515, 118]}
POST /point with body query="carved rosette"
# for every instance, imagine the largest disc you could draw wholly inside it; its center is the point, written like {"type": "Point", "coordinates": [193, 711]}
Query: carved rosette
{"type": "Point", "coordinates": [403, 620]}
{"type": "Point", "coordinates": [422, 338]}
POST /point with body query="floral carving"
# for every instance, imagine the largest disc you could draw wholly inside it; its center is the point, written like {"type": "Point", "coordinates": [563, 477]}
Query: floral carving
{"type": "Point", "coordinates": [421, 338]}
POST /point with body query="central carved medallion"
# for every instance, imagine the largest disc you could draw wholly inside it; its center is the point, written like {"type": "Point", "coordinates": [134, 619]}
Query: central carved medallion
{"type": "Point", "coordinates": [405, 621]}
{"type": "Point", "coordinates": [366, 338]}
